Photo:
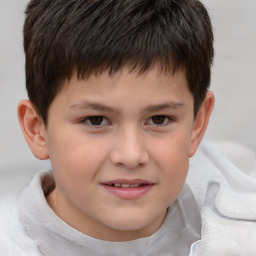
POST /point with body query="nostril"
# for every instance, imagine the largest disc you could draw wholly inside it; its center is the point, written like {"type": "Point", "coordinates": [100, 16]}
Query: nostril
{"type": "Point", "coordinates": [130, 160]}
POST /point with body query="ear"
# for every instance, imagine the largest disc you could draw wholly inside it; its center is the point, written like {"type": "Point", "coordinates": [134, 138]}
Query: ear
{"type": "Point", "coordinates": [201, 122]}
{"type": "Point", "coordinates": [33, 129]}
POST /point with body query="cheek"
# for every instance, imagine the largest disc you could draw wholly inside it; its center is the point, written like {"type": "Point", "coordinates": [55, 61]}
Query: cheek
{"type": "Point", "coordinates": [172, 150]}
{"type": "Point", "coordinates": [174, 166]}
{"type": "Point", "coordinates": [76, 158]}
{"type": "Point", "coordinates": [172, 160]}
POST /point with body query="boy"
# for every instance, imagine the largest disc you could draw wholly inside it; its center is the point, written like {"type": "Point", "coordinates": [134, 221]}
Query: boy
{"type": "Point", "coordinates": [119, 102]}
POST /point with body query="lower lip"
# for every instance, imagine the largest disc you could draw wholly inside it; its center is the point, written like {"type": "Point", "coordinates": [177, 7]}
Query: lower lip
{"type": "Point", "coordinates": [129, 193]}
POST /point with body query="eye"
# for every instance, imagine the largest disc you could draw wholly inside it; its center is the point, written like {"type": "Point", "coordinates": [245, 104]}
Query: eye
{"type": "Point", "coordinates": [159, 120]}
{"type": "Point", "coordinates": [97, 121]}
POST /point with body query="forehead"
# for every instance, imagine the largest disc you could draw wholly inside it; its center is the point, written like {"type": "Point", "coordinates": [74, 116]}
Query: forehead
{"type": "Point", "coordinates": [127, 90]}
{"type": "Point", "coordinates": [127, 76]}
{"type": "Point", "coordinates": [152, 80]}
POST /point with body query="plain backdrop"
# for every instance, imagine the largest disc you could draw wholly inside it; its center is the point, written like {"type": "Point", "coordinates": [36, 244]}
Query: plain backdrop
{"type": "Point", "coordinates": [233, 79]}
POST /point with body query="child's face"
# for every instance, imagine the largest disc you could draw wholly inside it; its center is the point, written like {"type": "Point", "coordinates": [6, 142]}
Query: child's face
{"type": "Point", "coordinates": [119, 148]}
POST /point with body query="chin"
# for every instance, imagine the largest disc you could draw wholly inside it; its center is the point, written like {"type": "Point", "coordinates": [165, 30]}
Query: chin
{"type": "Point", "coordinates": [131, 222]}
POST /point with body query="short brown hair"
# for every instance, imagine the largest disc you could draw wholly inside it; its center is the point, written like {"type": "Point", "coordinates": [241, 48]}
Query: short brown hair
{"type": "Point", "coordinates": [91, 36]}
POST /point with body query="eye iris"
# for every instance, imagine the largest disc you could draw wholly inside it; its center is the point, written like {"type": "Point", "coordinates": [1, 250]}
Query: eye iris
{"type": "Point", "coordinates": [96, 120]}
{"type": "Point", "coordinates": [158, 119]}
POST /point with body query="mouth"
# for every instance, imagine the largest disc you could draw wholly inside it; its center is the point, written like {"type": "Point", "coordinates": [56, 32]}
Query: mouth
{"type": "Point", "coordinates": [128, 189]}
{"type": "Point", "coordinates": [121, 185]}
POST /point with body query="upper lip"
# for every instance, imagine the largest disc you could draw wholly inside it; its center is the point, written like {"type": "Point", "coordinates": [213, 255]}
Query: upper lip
{"type": "Point", "coordinates": [127, 181]}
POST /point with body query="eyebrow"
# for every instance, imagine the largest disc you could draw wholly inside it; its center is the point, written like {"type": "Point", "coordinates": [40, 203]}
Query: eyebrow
{"type": "Point", "coordinates": [92, 106]}
{"type": "Point", "coordinates": [164, 106]}
{"type": "Point", "coordinates": [148, 109]}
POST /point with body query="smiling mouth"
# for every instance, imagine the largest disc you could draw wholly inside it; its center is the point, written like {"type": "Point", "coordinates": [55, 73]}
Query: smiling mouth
{"type": "Point", "coordinates": [128, 189]}
{"type": "Point", "coordinates": [118, 185]}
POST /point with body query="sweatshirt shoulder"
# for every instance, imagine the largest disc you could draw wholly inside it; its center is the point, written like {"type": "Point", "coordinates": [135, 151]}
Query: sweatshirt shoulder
{"type": "Point", "coordinates": [226, 197]}
{"type": "Point", "coordinates": [13, 238]}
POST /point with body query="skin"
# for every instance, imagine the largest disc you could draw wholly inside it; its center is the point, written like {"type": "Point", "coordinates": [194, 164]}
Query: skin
{"type": "Point", "coordinates": [145, 129]}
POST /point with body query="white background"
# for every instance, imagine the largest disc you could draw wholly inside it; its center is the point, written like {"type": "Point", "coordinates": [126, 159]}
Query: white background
{"type": "Point", "coordinates": [233, 81]}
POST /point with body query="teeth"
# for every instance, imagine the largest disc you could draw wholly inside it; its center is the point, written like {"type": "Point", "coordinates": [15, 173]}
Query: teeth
{"type": "Point", "coordinates": [125, 185]}
{"type": "Point", "coordinates": [134, 185]}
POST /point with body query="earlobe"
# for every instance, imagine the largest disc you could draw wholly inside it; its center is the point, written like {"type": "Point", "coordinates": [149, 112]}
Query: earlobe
{"type": "Point", "coordinates": [33, 129]}
{"type": "Point", "coordinates": [201, 122]}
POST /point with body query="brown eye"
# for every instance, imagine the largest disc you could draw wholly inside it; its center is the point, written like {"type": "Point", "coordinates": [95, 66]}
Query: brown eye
{"type": "Point", "coordinates": [96, 121]}
{"type": "Point", "coordinates": [159, 120]}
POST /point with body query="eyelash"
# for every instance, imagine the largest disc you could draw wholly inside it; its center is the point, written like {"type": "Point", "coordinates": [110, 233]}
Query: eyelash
{"type": "Point", "coordinates": [103, 121]}
{"type": "Point", "coordinates": [167, 120]}
{"type": "Point", "coordinates": [88, 121]}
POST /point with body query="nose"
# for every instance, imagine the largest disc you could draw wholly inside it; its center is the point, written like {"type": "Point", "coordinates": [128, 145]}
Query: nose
{"type": "Point", "coordinates": [128, 149]}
